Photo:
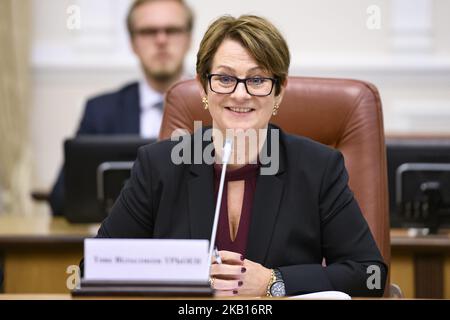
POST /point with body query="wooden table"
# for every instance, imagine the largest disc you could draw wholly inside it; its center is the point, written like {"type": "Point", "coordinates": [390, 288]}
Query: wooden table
{"type": "Point", "coordinates": [421, 265]}
{"type": "Point", "coordinates": [36, 252]}
{"type": "Point", "coordinates": [35, 296]}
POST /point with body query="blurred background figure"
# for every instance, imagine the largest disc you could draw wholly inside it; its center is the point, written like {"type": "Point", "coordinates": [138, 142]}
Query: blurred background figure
{"type": "Point", "coordinates": [160, 35]}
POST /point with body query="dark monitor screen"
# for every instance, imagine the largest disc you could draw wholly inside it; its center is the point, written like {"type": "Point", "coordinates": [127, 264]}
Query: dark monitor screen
{"type": "Point", "coordinates": [95, 169]}
{"type": "Point", "coordinates": [416, 168]}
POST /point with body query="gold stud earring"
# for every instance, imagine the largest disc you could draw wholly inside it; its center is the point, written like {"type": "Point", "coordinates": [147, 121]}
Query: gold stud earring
{"type": "Point", "coordinates": [275, 109]}
{"type": "Point", "coordinates": [205, 103]}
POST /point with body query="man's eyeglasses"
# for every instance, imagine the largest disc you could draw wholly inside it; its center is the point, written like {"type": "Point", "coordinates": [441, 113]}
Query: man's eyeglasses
{"type": "Point", "coordinates": [153, 32]}
{"type": "Point", "coordinates": [255, 86]}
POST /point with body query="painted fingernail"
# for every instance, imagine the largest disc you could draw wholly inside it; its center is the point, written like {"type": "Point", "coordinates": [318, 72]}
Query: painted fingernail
{"type": "Point", "coordinates": [242, 257]}
{"type": "Point", "coordinates": [240, 283]}
{"type": "Point", "coordinates": [235, 292]}
{"type": "Point", "coordinates": [243, 269]}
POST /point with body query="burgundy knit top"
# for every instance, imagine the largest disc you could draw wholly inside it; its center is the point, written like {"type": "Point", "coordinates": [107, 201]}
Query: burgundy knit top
{"type": "Point", "coordinates": [249, 174]}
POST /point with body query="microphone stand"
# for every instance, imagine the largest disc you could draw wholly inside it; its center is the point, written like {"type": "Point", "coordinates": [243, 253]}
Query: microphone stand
{"type": "Point", "coordinates": [225, 158]}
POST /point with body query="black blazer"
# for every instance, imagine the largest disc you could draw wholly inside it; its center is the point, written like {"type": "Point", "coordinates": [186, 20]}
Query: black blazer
{"type": "Point", "coordinates": [302, 214]}
{"type": "Point", "coordinates": [112, 113]}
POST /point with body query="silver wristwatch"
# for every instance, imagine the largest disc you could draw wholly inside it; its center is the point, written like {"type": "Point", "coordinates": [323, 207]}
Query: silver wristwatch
{"type": "Point", "coordinates": [277, 288]}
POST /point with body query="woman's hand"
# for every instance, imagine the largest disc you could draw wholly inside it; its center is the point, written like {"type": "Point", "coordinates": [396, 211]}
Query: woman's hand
{"type": "Point", "coordinates": [236, 276]}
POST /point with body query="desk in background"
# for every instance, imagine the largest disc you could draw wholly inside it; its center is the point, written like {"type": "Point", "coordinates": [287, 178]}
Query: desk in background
{"type": "Point", "coordinates": [421, 265]}
{"type": "Point", "coordinates": [36, 251]}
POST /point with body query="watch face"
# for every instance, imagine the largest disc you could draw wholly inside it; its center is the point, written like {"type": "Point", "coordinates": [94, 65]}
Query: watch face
{"type": "Point", "coordinates": [277, 289]}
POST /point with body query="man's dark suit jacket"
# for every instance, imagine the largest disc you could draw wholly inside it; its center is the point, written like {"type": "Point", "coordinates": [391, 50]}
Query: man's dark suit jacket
{"type": "Point", "coordinates": [302, 214]}
{"type": "Point", "coordinates": [108, 114]}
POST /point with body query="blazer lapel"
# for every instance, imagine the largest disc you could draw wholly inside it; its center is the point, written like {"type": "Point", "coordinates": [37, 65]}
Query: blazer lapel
{"type": "Point", "coordinates": [130, 110]}
{"type": "Point", "coordinates": [266, 206]}
{"type": "Point", "coordinates": [201, 196]}
{"type": "Point", "coordinates": [201, 201]}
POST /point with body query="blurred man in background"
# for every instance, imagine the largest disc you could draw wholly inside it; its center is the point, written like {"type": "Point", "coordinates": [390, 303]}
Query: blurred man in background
{"type": "Point", "coordinates": [160, 35]}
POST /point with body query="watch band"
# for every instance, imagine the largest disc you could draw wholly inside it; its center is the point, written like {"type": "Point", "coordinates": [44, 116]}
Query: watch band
{"type": "Point", "coordinates": [278, 275]}
{"type": "Point", "coordinates": [278, 288]}
{"type": "Point", "coordinates": [273, 279]}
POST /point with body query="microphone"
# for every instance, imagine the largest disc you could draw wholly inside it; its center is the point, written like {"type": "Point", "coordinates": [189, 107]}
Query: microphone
{"type": "Point", "coordinates": [225, 158]}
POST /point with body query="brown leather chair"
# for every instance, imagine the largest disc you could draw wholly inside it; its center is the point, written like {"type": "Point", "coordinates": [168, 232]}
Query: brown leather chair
{"type": "Point", "coordinates": [344, 114]}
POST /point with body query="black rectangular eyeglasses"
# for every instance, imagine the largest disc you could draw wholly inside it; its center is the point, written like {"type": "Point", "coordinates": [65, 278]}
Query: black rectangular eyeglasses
{"type": "Point", "coordinates": [255, 86]}
{"type": "Point", "coordinates": [153, 32]}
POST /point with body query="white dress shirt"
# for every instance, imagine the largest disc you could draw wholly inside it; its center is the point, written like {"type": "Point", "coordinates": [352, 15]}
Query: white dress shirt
{"type": "Point", "coordinates": [150, 117]}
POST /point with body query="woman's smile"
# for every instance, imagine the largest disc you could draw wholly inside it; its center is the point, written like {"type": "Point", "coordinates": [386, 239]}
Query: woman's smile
{"type": "Point", "coordinates": [240, 111]}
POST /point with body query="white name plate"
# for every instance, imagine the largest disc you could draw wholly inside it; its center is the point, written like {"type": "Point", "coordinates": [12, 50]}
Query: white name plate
{"type": "Point", "coordinates": [146, 260]}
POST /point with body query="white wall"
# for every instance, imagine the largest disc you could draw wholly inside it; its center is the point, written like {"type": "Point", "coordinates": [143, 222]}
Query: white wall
{"type": "Point", "coordinates": [408, 58]}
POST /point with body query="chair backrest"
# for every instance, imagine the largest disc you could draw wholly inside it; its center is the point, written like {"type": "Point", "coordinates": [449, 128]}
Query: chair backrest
{"type": "Point", "coordinates": [344, 114]}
